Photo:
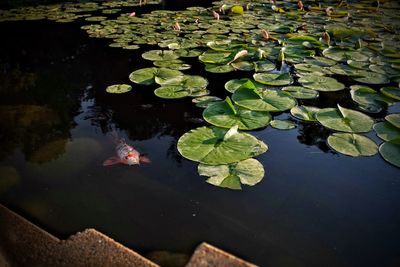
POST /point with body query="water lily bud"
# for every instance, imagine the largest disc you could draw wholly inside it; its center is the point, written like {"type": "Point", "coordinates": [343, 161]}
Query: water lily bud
{"type": "Point", "coordinates": [265, 34]}
{"type": "Point", "coordinates": [329, 10]}
{"type": "Point", "coordinates": [215, 15]}
{"type": "Point", "coordinates": [326, 38]}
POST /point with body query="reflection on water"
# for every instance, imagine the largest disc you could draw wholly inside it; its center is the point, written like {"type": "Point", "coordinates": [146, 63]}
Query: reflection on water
{"type": "Point", "coordinates": [314, 207]}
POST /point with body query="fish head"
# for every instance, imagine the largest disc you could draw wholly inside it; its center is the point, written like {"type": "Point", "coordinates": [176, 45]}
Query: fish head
{"type": "Point", "coordinates": [131, 158]}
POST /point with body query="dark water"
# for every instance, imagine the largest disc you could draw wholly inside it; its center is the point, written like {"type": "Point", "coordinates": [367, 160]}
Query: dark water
{"type": "Point", "coordinates": [313, 208]}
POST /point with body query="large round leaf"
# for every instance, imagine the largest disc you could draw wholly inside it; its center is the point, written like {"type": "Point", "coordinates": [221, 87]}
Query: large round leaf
{"type": "Point", "coordinates": [143, 76]}
{"type": "Point", "coordinates": [390, 151]}
{"type": "Point", "coordinates": [304, 113]}
{"type": "Point", "coordinates": [118, 88]}
{"type": "Point", "coordinates": [225, 114]}
{"type": "Point", "coordinates": [354, 145]}
{"type": "Point", "coordinates": [155, 55]}
{"type": "Point", "coordinates": [345, 120]}
{"type": "Point", "coordinates": [369, 99]}
{"type": "Point", "coordinates": [167, 76]}
{"type": "Point", "coordinates": [172, 91]}
{"type": "Point", "coordinates": [394, 119]}
{"type": "Point", "coordinates": [387, 131]}
{"type": "Point", "coordinates": [205, 101]}
{"type": "Point", "coordinates": [216, 68]}
{"type": "Point", "coordinates": [232, 85]}
{"type": "Point", "coordinates": [321, 83]}
{"type": "Point", "coordinates": [301, 92]}
{"type": "Point", "coordinates": [393, 92]}
{"type": "Point", "coordinates": [273, 79]}
{"type": "Point", "coordinates": [268, 100]}
{"type": "Point", "coordinates": [213, 145]}
{"type": "Point", "coordinates": [249, 172]}
{"type": "Point", "coordinates": [369, 77]}
{"type": "Point", "coordinates": [283, 124]}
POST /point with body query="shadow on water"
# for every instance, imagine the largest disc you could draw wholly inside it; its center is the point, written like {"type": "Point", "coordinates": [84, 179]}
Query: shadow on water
{"type": "Point", "coordinates": [314, 207]}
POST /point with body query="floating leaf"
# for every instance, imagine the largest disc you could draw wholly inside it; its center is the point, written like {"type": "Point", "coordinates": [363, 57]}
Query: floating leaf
{"type": "Point", "coordinates": [301, 92]}
{"type": "Point", "coordinates": [264, 66]}
{"type": "Point", "coordinates": [369, 99]}
{"type": "Point", "coordinates": [205, 101]}
{"type": "Point", "coordinates": [321, 83]}
{"type": "Point", "coordinates": [390, 151]}
{"type": "Point", "coordinates": [369, 77]}
{"type": "Point", "coordinates": [273, 79]}
{"type": "Point", "coordinates": [208, 145]}
{"type": "Point", "coordinates": [354, 145]}
{"type": "Point", "coordinates": [282, 124]}
{"type": "Point", "coordinates": [345, 120]}
{"type": "Point", "coordinates": [143, 76]}
{"type": "Point", "coordinates": [118, 88]}
{"type": "Point", "coordinates": [394, 119]}
{"type": "Point", "coordinates": [393, 92]}
{"type": "Point", "coordinates": [159, 55]}
{"type": "Point", "coordinates": [268, 100]}
{"type": "Point", "coordinates": [248, 172]}
{"type": "Point", "coordinates": [233, 85]}
{"type": "Point", "coordinates": [172, 91]}
{"type": "Point", "coordinates": [215, 68]}
{"type": "Point", "coordinates": [225, 114]}
{"type": "Point", "coordinates": [175, 64]}
{"type": "Point", "coordinates": [387, 131]}
{"type": "Point", "coordinates": [304, 113]}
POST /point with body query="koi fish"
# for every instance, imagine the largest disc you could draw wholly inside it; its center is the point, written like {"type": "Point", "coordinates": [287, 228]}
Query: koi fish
{"type": "Point", "coordinates": [126, 154]}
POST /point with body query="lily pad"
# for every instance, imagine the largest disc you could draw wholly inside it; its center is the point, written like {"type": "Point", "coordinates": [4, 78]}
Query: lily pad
{"type": "Point", "coordinates": [390, 151]}
{"type": "Point", "coordinates": [321, 83]}
{"type": "Point", "coordinates": [301, 92]}
{"type": "Point", "coordinates": [205, 101]}
{"type": "Point", "coordinates": [345, 120]}
{"type": "Point", "coordinates": [283, 124]}
{"type": "Point", "coordinates": [216, 68]}
{"type": "Point", "coordinates": [394, 119]}
{"type": "Point", "coordinates": [387, 131]}
{"type": "Point", "coordinates": [118, 88]}
{"type": "Point", "coordinates": [213, 145]}
{"type": "Point", "coordinates": [248, 172]}
{"type": "Point", "coordinates": [305, 113]}
{"type": "Point", "coordinates": [226, 115]}
{"type": "Point", "coordinates": [159, 55]}
{"type": "Point", "coordinates": [369, 99]}
{"type": "Point", "coordinates": [393, 92]}
{"type": "Point", "coordinates": [232, 85]}
{"type": "Point", "coordinates": [268, 100]}
{"type": "Point", "coordinates": [351, 144]}
{"type": "Point", "coordinates": [369, 77]}
{"type": "Point", "coordinates": [172, 91]}
{"type": "Point", "coordinates": [273, 79]}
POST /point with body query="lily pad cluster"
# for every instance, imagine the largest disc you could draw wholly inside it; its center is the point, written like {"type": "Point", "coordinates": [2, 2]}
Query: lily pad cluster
{"type": "Point", "coordinates": [293, 55]}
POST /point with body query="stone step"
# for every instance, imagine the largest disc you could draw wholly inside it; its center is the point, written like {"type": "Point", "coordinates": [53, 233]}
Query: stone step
{"type": "Point", "coordinates": [25, 244]}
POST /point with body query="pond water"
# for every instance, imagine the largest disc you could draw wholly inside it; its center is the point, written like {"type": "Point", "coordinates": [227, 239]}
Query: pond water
{"type": "Point", "coordinates": [314, 207]}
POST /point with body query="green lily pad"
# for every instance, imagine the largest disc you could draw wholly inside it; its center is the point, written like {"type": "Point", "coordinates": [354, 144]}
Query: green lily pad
{"type": "Point", "coordinates": [393, 92]}
{"type": "Point", "coordinates": [268, 100]}
{"type": "Point", "coordinates": [213, 145]}
{"type": "Point", "coordinates": [175, 64]}
{"type": "Point", "coordinates": [369, 77]}
{"type": "Point", "coordinates": [301, 92]}
{"type": "Point", "coordinates": [232, 85]}
{"type": "Point", "coordinates": [148, 76]}
{"type": "Point", "coordinates": [172, 91]}
{"type": "Point", "coordinates": [215, 68]}
{"type": "Point", "coordinates": [387, 131]}
{"type": "Point", "coordinates": [205, 101]}
{"type": "Point", "coordinates": [283, 124]}
{"type": "Point", "coordinates": [390, 151]}
{"type": "Point", "coordinates": [321, 83]}
{"type": "Point", "coordinates": [394, 119]}
{"type": "Point", "coordinates": [214, 57]}
{"type": "Point", "coordinates": [159, 55]}
{"type": "Point", "coordinates": [351, 144]}
{"type": "Point", "coordinates": [305, 113]}
{"type": "Point", "coordinates": [264, 66]}
{"type": "Point", "coordinates": [248, 172]}
{"type": "Point", "coordinates": [273, 79]}
{"type": "Point", "coordinates": [344, 54]}
{"type": "Point", "coordinates": [369, 99]}
{"type": "Point", "coordinates": [226, 115]}
{"type": "Point", "coordinates": [243, 65]}
{"type": "Point", "coordinates": [345, 120]}
{"type": "Point", "coordinates": [118, 88]}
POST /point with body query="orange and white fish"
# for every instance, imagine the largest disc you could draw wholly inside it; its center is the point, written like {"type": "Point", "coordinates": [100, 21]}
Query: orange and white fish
{"type": "Point", "coordinates": [126, 154]}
